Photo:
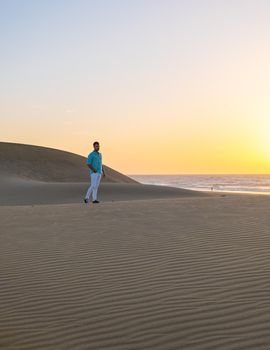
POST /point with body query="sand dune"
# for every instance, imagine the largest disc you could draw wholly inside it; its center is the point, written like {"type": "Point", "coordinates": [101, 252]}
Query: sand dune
{"type": "Point", "coordinates": [189, 273]}
{"type": "Point", "coordinates": [173, 269]}
{"type": "Point", "coordinates": [48, 165]}
{"type": "Point", "coordinates": [38, 175]}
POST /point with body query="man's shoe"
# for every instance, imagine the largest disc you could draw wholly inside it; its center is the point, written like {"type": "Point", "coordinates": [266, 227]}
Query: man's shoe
{"type": "Point", "coordinates": [86, 200]}
{"type": "Point", "coordinates": [95, 202]}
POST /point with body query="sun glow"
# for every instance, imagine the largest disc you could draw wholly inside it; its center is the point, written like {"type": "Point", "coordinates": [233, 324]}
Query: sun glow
{"type": "Point", "coordinates": [265, 138]}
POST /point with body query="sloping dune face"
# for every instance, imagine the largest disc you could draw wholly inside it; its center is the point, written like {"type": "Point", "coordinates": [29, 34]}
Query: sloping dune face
{"type": "Point", "coordinates": [48, 164]}
{"type": "Point", "coordinates": [33, 175]}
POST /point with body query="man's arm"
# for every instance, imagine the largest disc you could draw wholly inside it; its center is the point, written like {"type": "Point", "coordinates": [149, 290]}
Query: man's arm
{"type": "Point", "coordinates": [103, 172]}
{"type": "Point", "coordinates": [89, 163]}
{"type": "Point", "coordinates": [92, 168]}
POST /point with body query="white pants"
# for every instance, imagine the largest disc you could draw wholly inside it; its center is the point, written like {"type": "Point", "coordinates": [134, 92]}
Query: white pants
{"type": "Point", "coordinates": [93, 188]}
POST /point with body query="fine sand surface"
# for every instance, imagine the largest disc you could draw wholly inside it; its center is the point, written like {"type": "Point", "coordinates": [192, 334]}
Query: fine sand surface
{"type": "Point", "coordinates": [148, 268]}
{"type": "Point", "coordinates": [180, 273]}
{"type": "Point", "coordinates": [27, 192]}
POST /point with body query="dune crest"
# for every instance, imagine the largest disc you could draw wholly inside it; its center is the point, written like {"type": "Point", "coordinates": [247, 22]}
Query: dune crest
{"type": "Point", "coordinates": [48, 165]}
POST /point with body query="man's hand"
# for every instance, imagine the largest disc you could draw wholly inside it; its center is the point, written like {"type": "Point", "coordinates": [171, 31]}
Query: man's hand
{"type": "Point", "coordinates": [91, 168]}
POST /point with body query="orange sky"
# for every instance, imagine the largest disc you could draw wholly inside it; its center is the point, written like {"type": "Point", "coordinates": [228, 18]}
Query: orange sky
{"type": "Point", "coordinates": [166, 86]}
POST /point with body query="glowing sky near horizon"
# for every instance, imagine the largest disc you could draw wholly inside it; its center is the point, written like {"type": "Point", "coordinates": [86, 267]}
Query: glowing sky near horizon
{"type": "Point", "coordinates": [166, 86]}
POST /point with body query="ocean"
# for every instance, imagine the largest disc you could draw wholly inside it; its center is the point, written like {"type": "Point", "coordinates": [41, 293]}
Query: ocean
{"type": "Point", "coordinates": [218, 183]}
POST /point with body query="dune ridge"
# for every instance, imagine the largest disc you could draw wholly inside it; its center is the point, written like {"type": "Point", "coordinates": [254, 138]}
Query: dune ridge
{"type": "Point", "coordinates": [49, 165]}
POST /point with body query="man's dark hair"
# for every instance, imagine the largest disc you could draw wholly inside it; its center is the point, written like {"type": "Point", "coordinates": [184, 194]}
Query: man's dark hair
{"type": "Point", "coordinates": [95, 143]}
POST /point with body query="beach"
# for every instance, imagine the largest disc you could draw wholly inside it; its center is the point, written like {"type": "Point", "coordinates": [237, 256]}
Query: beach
{"type": "Point", "coordinates": [149, 267]}
{"type": "Point", "coordinates": [180, 273]}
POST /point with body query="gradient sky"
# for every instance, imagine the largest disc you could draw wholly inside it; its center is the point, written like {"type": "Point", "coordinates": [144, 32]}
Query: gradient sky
{"type": "Point", "coordinates": [166, 86]}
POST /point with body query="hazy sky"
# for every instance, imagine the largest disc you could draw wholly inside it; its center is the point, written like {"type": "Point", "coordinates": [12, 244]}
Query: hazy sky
{"type": "Point", "coordinates": [166, 86]}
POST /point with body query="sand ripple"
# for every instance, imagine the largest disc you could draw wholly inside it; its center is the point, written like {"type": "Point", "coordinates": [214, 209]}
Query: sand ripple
{"type": "Point", "coordinates": [191, 273]}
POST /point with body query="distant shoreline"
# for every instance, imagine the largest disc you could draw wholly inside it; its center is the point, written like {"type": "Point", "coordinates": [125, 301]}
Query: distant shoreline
{"type": "Point", "coordinates": [238, 184]}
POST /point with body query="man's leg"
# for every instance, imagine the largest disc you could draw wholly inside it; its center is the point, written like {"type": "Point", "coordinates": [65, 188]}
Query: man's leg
{"type": "Point", "coordinates": [91, 187]}
{"type": "Point", "coordinates": [95, 187]}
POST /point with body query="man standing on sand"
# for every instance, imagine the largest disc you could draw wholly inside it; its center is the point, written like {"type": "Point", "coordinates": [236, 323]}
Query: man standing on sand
{"type": "Point", "coordinates": [94, 162]}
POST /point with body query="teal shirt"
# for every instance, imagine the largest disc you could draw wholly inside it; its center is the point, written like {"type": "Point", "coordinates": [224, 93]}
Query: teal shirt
{"type": "Point", "coordinates": [95, 159]}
